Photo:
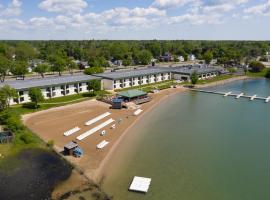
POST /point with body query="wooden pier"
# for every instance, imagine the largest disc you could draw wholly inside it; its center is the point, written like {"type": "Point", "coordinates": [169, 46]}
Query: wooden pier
{"type": "Point", "coordinates": [237, 96]}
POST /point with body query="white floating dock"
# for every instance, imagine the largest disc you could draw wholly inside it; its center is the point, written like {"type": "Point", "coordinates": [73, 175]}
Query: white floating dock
{"type": "Point", "coordinates": [267, 99]}
{"type": "Point", "coordinates": [137, 112]}
{"type": "Point", "coordinates": [227, 94]}
{"type": "Point", "coordinates": [140, 184]}
{"type": "Point", "coordinates": [100, 117]}
{"type": "Point", "coordinates": [238, 96]}
{"type": "Point", "coordinates": [70, 132]}
{"type": "Point", "coordinates": [102, 144]}
{"type": "Point", "coordinates": [253, 97]}
{"type": "Point", "coordinates": [93, 130]}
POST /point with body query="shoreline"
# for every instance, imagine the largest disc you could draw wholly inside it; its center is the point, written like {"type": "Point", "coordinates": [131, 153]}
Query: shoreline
{"type": "Point", "coordinates": [223, 82]}
{"type": "Point", "coordinates": [99, 172]}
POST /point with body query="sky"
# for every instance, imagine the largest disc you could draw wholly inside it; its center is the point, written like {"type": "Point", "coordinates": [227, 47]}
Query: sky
{"type": "Point", "coordinates": [135, 19]}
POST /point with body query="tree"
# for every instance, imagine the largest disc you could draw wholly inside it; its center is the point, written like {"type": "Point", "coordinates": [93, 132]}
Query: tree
{"type": "Point", "coordinates": [59, 64]}
{"type": "Point", "coordinates": [256, 66]}
{"type": "Point", "coordinates": [98, 62]}
{"type": "Point", "coordinates": [4, 67]}
{"type": "Point", "coordinates": [194, 77]}
{"type": "Point", "coordinates": [267, 75]}
{"type": "Point", "coordinates": [19, 68]}
{"type": "Point", "coordinates": [208, 57]}
{"type": "Point", "coordinates": [142, 57]}
{"type": "Point", "coordinates": [24, 52]}
{"type": "Point", "coordinates": [41, 69]}
{"type": "Point", "coordinates": [185, 57]}
{"type": "Point", "coordinates": [94, 85]}
{"type": "Point", "coordinates": [93, 70]}
{"type": "Point", "coordinates": [127, 62]}
{"type": "Point", "coordinates": [71, 66]}
{"type": "Point", "coordinates": [6, 94]}
{"type": "Point", "coordinates": [36, 96]}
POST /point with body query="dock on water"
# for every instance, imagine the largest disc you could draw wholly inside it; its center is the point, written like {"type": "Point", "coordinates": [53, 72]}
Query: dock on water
{"type": "Point", "coordinates": [140, 184]}
{"type": "Point", "coordinates": [237, 96]}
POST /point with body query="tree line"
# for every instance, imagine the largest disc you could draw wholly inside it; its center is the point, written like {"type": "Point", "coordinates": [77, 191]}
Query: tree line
{"type": "Point", "coordinates": [58, 56]}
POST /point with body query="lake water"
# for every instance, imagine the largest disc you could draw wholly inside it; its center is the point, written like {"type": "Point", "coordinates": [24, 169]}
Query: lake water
{"type": "Point", "coordinates": [198, 146]}
{"type": "Point", "coordinates": [32, 175]}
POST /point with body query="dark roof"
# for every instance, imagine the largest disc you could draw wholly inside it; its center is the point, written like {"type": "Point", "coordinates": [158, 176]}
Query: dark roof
{"type": "Point", "coordinates": [47, 81]}
{"type": "Point", "coordinates": [132, 93]}
{"type": "Point", "coordinates": [190, 70]}
{"type": "Point", "coordinates": [133, 73]}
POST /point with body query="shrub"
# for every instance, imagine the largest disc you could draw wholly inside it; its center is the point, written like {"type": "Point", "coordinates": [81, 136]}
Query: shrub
{"type": "Point", "coordinates": [93, 70]}
{"type": "Point", "coordinates": [267, 75]}
{"type": "Point", "coordinates": [256, 66]}
{"type": "Point", "coordinates": [27, 138]}
{"type": "Point", "coordinates": [30, 105]}
{"type": "Point", "coordinates": [50, 143]}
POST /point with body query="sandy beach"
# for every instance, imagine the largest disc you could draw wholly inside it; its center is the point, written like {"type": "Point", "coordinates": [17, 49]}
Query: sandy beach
{"type": "Point", "coordinates": [51, 124]}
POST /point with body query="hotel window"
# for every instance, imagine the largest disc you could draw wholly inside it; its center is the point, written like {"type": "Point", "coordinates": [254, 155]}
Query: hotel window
{"type": "Point", "coordinates": [21, 99]}
{"type": "Point", "coordinates": [21, 93]}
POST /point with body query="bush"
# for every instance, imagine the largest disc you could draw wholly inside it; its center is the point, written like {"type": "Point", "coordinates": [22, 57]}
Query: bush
{"type": "Point", "coordinates": [27, 138]}
{"type": "Point", "coordinates": [50, 143]}
{"type": "Point", "coordinates": [93, 70]}
{"type": "Point", "coordinates": [30, 105]}
{"type": "Point", "coordinates": [267, 75]}
{"type": "Point", "coordinates": [256, 66]}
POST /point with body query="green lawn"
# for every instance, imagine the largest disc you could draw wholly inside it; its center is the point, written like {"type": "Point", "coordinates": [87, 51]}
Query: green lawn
{"type": "Point", "coordinates": [217, 78]}
{"type": "Point", "coordinates": [259, 74]}
{"type": "Point", "coordinates": [148, 86]}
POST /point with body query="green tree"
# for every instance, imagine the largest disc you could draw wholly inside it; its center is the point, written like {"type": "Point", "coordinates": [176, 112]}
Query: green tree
{"type": "Point", "coordinates": [42, 69]}
{"type": "Point", "coordinates": [24, 52]}
{"type": "Point", "coordinates": [4, 67]}
{"type": "Point", "coordinates": [94, 85]}
{"type": "Point", "coordinates": [127, 62]}
{"type": "Point", "coordinates": [98, 62]}
{"type": "Point", "coordinates": [142, 57]}
{"type": "Point", "coordinates": [185, 57]}
{"type": "Point", "coordinates": [208, 57]}
{"type": "Point", "coordinates": [7, 93]}
{"type": "Point", "coordinates": [36, 96]}
{"type": "Point", "coordinates": [267, 75]}
{"type": "Point", "coordinates": [256, 66]}
{"type": "Point", "coordinates": [93, 70]}
{"type": "Point", "coordinates": [19, 68]}
{"type": "Point", "coordinates": [194, 77]}
{"type": "Point", "coordinates": [59, 64]}
{"type": "Point", "coordinates": [72, 66]}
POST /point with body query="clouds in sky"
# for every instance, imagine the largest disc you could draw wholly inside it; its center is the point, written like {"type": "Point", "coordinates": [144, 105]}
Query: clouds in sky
{"type": "Point", "coordinates": [81, 16]}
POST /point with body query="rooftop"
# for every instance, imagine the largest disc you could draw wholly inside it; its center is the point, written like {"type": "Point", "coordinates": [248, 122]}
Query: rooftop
{"type": "Point", "coordinates": [133, 73]}
{"type": "Point", "coordinates": [71, 145]}
{"type": "Point", "coordinates": [198, 69]}
{"type": "Point", "coordinates": [47, 81]}
{"type": "Point", "coordinates": [132, 93]}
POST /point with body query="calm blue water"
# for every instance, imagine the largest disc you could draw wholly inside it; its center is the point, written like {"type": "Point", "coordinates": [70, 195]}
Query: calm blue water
{"type": "Point", "coordinates": [198, 146]}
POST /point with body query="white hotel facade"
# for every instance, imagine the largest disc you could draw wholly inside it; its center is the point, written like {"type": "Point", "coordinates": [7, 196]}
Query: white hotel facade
{"type": "Point", "coordinates": [51, 87]}
{"type": "Point", "coordinates": [126, 79]}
